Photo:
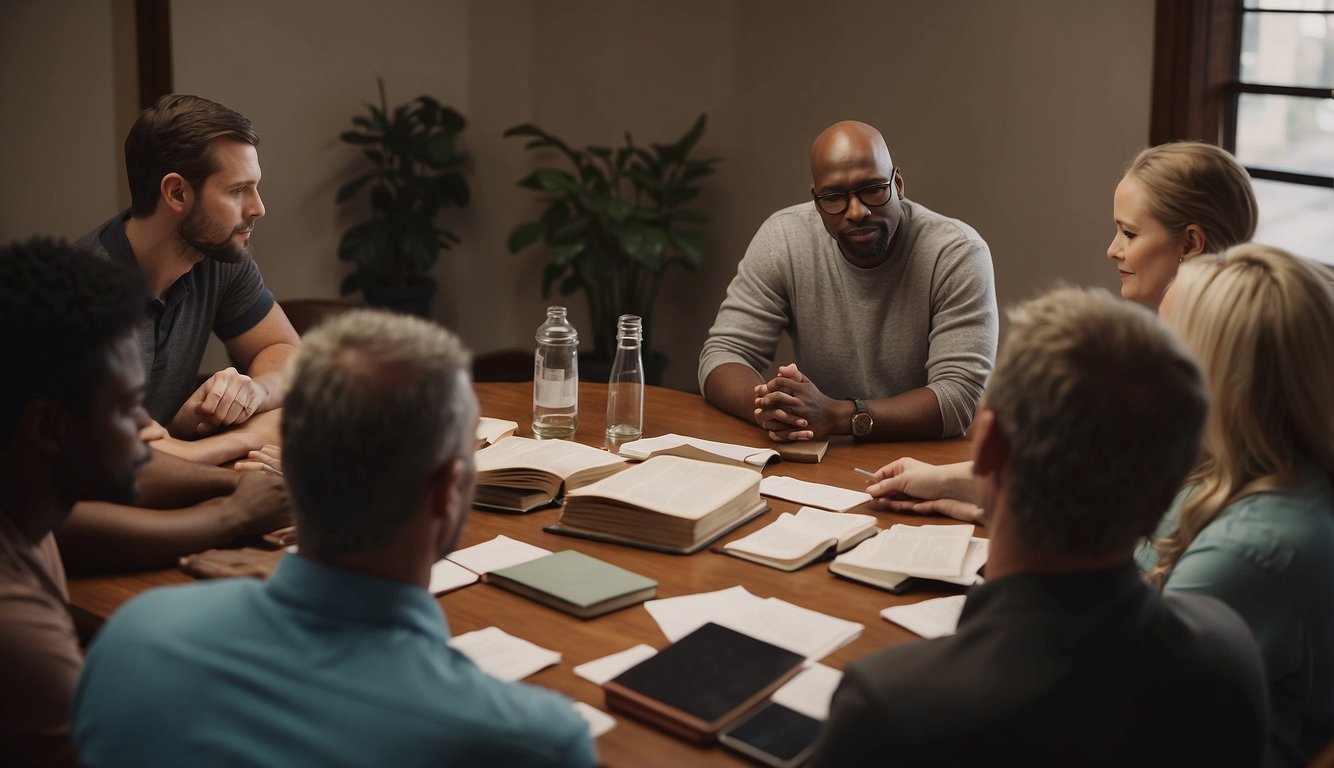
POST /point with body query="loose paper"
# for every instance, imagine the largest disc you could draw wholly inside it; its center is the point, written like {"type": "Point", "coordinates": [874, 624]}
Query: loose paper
{"type": "Point", "coordinates": [599, 671]}
{"type": "Point", "coordinates": [929, 618]}
{"type": "Point", "coordinates": [810, 692]}
{"type": "Point", "coordinates": [503, 655]}
{"type": "Point", "coordinates": [500, 552]}
{"type": "Point", "coordinates": [599, 722]}
{"type": "Point", "coordinates": [829, 497]}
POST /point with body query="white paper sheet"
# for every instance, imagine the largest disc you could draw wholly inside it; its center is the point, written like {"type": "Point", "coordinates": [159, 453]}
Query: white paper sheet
{"type": "Point", "coordinates": [503, 655]}
{"type": "Point", "coordinates": [447, 576]}
{"type": "Point", "coordinates": [829, 497]}
{"type": "Point", "coordinates": [599, 671]}
{"type": "Point", "coordinates": [642, 449]}
{"type": "Point", "coordinates": [811, 691]}
{"type": "Point", "coordinates": [938, 617]}
{"type": "Point", "coordinates": [599, 722]}
{"type": "Point", "coordinates": [800, 630]}
{"type": "Point", "coordinates": [500, 552]}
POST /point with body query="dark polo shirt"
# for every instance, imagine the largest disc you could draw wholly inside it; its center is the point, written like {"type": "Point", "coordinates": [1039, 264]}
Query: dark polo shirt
{"type": "Point", "coordinates": [213, 297]}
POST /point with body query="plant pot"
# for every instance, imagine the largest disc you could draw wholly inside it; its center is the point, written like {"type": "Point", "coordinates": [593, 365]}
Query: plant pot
{"type": "Point", "coordinates": [599, 370]}
{"type": "Point", "coordinates": [412, 298]}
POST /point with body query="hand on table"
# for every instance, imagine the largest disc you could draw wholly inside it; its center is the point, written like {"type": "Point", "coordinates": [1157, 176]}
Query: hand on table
{"type": "Point", "coordinates": [226, 563]}
{"type": "Point", "coordinates": [261, 503]}
{"type": "Point", "coordinates": [909, 485]}
{"type": "Point", "coordinates": [790, 407]}
{"type": "Point", "coordinates": [228, 397]}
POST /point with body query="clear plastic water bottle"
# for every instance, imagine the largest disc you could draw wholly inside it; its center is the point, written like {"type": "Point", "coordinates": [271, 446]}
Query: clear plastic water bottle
{"type": "Point", "coordinates": [556, 377]}
{"type": "Point", "coordinates": [625, 389]}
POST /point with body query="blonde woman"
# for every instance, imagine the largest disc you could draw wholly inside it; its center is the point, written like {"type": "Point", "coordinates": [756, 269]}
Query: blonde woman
{"type": "Point", "coordinates": [1175, 201]}
{"type": "Point", "coordinates": [1254, 525]}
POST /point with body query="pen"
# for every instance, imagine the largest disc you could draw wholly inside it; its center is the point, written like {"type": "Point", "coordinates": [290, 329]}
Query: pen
{"type": "Point", "coordinates": [861, 471]}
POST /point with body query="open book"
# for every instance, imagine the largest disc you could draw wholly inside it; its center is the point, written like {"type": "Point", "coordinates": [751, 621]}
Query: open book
{"type": "Point", "coordinates": [491, 431]}
{"type": "Point", "coordinates": [667, 503]}
{"type": "Point", "coordinates": [697, 448]}
{"type": "Point", "coordinates": [520, 474]}
{"type": "Point", "coordinates": [465, 566]}
{"type": "Point", "coordinates": [792, 541]}
{"type": "Point", "coordinates": [947, 553]}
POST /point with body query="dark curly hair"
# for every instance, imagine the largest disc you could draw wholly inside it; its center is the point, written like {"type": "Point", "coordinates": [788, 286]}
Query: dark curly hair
{"type": "Point", "coordinates": [62, 307]}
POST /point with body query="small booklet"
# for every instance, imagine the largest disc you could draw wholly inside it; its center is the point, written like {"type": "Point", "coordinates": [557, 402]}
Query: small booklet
{"type": "Point", "coordinates": [793, 541]}
{"type": "Point", "coordinates": [575, 583]}
{"type": "Point", "coordinates": [773, 735]}
{"type": "Point", "coordinates": [667, 503]}
{"type": "Point", "coordinates": [491, 430]}
{"type": "Point", "coordinates": [829, 497]}
{"type": "Point", "coordinates": [697, 448]}
{"type": "Point", "coordinates": [520, 474]}
{"type": "Point", "coordinates": [944, 553]}
{"type": "Point", "coordinates": [702, 683]}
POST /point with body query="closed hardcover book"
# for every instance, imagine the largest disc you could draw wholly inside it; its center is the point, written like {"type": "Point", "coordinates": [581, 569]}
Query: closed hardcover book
{"type": "Point", "coordinates": [702, 683]}
{"type": "Point", "coordinates": [575, 583]}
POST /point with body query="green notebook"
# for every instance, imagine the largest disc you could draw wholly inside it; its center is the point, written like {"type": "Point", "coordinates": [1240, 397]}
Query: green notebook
{"type": "Point", "coordinates": [573, 582]}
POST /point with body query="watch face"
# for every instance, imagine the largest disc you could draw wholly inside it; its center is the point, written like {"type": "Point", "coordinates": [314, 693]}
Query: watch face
{"type": "Point", "coordinates": [861, 424]}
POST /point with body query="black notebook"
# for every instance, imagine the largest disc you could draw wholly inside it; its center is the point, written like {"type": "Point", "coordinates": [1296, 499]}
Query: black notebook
{"type": "Point", "coordinates": [773, 735]}
{"type": "Point", "coordinates": [702, 683]}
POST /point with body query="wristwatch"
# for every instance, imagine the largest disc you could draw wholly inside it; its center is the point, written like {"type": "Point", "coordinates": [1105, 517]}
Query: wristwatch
{"type": "Point", "coordinates": [862, 423]}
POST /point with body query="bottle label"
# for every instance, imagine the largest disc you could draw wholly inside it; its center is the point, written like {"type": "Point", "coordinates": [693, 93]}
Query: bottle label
{"type": "Point", "coordinates": [553, 390]}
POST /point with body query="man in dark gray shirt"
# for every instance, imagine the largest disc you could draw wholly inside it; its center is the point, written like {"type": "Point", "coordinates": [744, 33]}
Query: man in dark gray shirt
{"type": "Point", "coordinates": [1066, 656]}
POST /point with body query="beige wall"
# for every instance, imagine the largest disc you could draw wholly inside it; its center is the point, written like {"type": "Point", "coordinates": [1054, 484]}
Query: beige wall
{"type": "Point", "coordinates": [1016, 117]}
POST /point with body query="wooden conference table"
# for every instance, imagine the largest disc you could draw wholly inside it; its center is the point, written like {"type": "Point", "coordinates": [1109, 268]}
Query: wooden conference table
{"type": "Point", "coordinates": [630, 743]}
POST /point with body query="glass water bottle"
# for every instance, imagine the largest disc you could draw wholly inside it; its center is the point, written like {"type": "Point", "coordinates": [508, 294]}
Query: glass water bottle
{"type": "Point", "coordinates": [556, 377]}
{"type": "Point", "coordinates": [625, 389]}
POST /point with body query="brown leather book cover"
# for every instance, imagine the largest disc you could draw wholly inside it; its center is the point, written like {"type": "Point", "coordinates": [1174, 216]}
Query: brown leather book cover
{"type": "Point", "coordinates": [702, 683]}
{"type": "Point", "coordinates": [802, 451]}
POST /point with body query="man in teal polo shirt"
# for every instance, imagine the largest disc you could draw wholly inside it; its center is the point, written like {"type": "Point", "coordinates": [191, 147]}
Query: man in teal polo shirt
{"type": "Point", "coordinates": [340, 658]}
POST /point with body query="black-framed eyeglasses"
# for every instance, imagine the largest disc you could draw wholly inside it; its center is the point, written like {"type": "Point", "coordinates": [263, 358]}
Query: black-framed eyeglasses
{"type": "Point", "coordinates": [871, 196]}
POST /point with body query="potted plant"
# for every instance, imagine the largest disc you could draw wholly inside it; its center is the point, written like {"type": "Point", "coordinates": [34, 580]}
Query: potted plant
{"type": "Point", "coordinates": [417, 170]}
{"type": "Point", "coordinates": [614, 220]}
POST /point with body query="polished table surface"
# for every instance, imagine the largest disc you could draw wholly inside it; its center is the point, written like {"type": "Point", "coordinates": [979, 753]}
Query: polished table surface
{"type": "Point", "coordinates": [482, 605]}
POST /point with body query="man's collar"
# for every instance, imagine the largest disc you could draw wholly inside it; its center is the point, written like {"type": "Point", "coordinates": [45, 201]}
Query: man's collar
{"type": "Point", "coordinates": [356, 597]}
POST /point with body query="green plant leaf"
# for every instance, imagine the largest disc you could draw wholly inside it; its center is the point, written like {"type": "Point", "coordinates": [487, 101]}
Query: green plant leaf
{"type": "Point", "coordinates": [690, 246]}
{"type": "Point", "coordinates": [349, 189]}
{"type": "Point", "coordinates": [525, 235]}
{"type": "Point", "coordinates": [352, 137]}
{"type": "Point", "coordinates": [553, 180]}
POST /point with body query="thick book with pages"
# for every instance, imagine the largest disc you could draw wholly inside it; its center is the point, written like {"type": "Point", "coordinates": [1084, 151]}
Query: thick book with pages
{"type": "Point", "coordinates": [520, 474]}
{"type": "Point", "coordinates": [668, 503]}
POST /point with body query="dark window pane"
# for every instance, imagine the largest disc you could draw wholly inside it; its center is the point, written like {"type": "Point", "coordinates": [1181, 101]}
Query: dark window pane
{"type": "Point", "coordinates": [1288, 49]}
{"type": "Point", "coordinates": [1286, 133]}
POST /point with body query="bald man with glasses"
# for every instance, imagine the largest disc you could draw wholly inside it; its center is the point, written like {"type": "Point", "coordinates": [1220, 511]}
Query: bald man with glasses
{"type": "Point", "coordinates": [891, 308]}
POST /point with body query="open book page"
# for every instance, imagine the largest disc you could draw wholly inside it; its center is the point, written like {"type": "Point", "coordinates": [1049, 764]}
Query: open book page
{"type": "Point", "coordinates": [500, 552]}
{"type": "Point", "coordinates": [930, 618]}
{"type": "Point", "coordinates": [932, 551]}
{"type": "Point", "coordinates": [562, 458]}
{"type": "Point", "coordinates": [491, 430]}
{"type": "Point", "coordinates": [813, 494]}
{"type": "Point", "coordinates": [791, 537]}
{"type": "Point", "coordinates": [673, 444]}
{"type": "Point", "coordinates": [502, 655]}
{"type": "Point", "coordinates": [973, 560]}
{"type": "Point", "coordinates": [810, 692]}
{"type": "Point", "coordinates": [673, 486]}
{"type": "Point", "coordinates": [447, 576]}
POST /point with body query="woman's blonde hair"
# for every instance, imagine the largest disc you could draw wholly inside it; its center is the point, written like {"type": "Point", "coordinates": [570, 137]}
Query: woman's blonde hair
{"type": "Point", "coordinates": [1261, 323]}
{"type": "Point", "coordinates": [1191, 182]}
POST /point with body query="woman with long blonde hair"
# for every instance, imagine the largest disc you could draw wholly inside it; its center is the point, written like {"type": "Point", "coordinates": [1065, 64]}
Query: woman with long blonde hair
{"type": "Point", "coordinates": [1254, 525]}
